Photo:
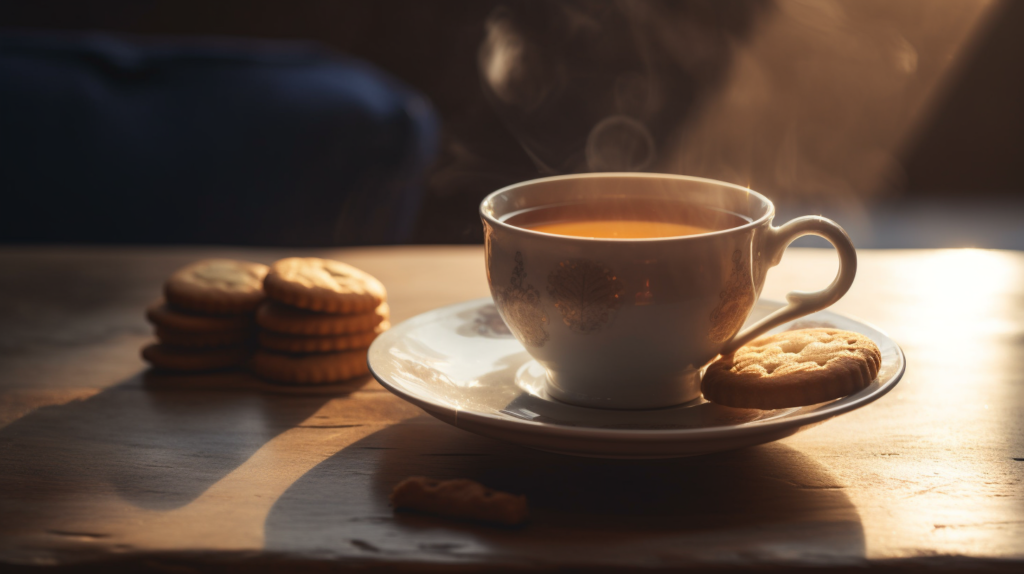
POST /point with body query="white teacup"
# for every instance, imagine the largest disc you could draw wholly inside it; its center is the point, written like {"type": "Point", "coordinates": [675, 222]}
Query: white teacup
{"type": "Point", "coordinates": [630, 323]}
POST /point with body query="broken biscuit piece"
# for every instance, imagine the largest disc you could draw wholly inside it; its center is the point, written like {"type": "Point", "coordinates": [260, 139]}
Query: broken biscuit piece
{"type": "Point", "coordinates": [459, 498]}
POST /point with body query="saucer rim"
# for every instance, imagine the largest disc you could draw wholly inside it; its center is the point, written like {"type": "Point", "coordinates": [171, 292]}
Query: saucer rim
{"type": "Point", "coordinates": [795, 419]}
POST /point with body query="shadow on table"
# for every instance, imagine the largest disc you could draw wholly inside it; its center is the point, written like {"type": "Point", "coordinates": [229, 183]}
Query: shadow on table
{"type": "Point", "coordinates": [155, 443]}
{"type": "Point", "coordinates": [766, 502]}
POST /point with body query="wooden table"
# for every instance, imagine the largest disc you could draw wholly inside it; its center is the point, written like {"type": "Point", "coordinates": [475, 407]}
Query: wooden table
{"type": "Point", "coordinates": [102, 466]}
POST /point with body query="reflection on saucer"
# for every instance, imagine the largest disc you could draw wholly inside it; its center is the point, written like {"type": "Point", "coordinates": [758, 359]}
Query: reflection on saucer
{"type": "Point", "coordinates": [483, 321]}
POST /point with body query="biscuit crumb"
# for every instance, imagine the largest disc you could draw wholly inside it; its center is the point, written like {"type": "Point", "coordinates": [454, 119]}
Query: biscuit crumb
{"type": "Point", "coordinates": [459, 498]}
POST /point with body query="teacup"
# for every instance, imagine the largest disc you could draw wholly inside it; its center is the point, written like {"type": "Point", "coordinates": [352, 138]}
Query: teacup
{"type": "Point", "coordinates": [630, 323]}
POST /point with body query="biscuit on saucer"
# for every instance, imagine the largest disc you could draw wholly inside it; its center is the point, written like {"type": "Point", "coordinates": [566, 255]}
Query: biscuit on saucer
{"type": "Point", "coordinates": [792, 369]}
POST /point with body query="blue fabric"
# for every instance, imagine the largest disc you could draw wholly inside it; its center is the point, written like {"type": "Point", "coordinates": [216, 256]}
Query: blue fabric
{"type": "Point", "coordinates": [108, 140]}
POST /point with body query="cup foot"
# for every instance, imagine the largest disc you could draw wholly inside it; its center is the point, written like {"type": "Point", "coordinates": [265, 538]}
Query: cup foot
{"type": "Point", "coordinates": [633, 392]}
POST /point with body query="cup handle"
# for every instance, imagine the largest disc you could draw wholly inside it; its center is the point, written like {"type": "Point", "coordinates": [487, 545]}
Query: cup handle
{"type": "Point", "coordinates": [803, 302]}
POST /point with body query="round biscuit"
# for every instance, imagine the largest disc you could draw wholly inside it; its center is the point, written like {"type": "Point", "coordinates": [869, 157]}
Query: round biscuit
{"type": "Point", "coordinates": [217, 286]}
{"type": "Point", "coordinates": [323, 285]}
{"type": "Point", "coordinates": [163, 315]}
{"type": "Point", "coordinates": [172, 358]}
{"type": "Point", "coordinates": [281, 318]}
{"type": "Point", "coordinates": [309, 369]}
{"type": "Point", "coordinates": [792, 369]}
{"type": "Point", "coordinates": [330, 343]}
{"type": "Point", "coordinates": [208, 339]}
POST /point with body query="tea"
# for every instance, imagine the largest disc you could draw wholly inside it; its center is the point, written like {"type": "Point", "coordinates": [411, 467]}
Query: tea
{"type": "Point", "coordinates": [625, 219]}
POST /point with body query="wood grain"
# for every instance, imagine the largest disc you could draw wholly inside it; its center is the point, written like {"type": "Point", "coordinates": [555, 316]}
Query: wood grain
{"type": "Point", "coordinates": [104, 464]}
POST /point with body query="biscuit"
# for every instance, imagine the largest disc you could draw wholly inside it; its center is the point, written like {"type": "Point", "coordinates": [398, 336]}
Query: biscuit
{"type": "Point", "coordinates": [217, 286]}
{"type": "Point", "coordinates": [206, 339]}
{"type": "Point", "coordinates": [323, 285]}
{"type": "Point", "coordinates": [300, 344]}
{"type": "Point", "coordinates": [459, 498]}
{"type": "Point", "coordinates": [309, 369]}
{"type": "Point", "coordinates": [163, 315]}
{"type": "Point", "coordinates": [193, 360]}
{"type": "Point", "coordinates": [792, 369]}
{"type": "Point", "coordinates": [280, 318]}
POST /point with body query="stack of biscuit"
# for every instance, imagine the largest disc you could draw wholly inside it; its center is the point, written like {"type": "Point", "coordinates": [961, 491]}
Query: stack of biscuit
{"type": "Point", "coordinates": [207, 318]}
{"type": "Point", "coordinates": [319, 318]}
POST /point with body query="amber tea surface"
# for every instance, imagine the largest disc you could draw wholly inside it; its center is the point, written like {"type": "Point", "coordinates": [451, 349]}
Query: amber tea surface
{"type": "Point", "coordinates": [625, 219]}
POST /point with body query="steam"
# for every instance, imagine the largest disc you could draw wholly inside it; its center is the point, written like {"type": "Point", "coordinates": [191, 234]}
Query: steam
{"type": "Point", "coordinates": [802, 99]}
{"type": "Point", "coordinates": [619, 143]}
{"type": "Point", "coordinates": [822, 98]}
{"type": "Point", "coordinates": [559, 77]}
{"type": "Point", "coordinates": [506, 65]}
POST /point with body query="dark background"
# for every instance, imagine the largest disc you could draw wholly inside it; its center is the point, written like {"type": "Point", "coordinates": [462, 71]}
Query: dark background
{"type": "Point", "coordinates": [961, 170]}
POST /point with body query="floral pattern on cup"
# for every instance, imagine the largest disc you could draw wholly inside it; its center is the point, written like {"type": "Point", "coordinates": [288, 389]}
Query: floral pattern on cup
{"type": "Point", "coordinates": [520, 302]}
{"type": "Point", "coordinates": [735, 303]}
{"type": "Point", "coordinates": [587, 293]}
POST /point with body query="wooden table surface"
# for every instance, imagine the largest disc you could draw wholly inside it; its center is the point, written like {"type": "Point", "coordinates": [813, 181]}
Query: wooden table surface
{"type": "Point", "coordinates": [103, 464]}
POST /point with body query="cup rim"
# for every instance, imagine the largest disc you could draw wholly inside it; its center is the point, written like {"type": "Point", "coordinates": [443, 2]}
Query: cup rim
{"type": "Point", "coordinates": [768, 215]}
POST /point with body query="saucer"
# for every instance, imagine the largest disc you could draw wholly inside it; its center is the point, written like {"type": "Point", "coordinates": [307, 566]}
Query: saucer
{"type": "Point", "coordinates": [462, 365]}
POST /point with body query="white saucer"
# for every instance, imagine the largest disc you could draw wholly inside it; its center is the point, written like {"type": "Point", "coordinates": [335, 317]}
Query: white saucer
{"type": "Point", "coordinates": [460, 364]}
